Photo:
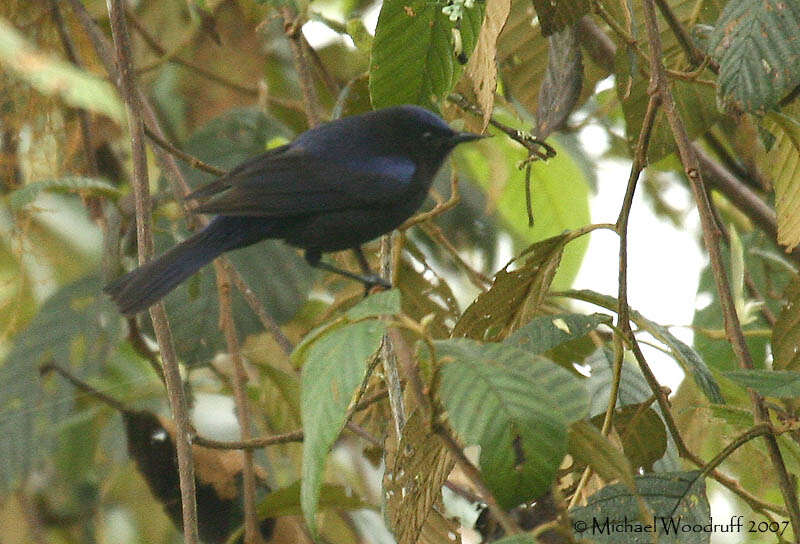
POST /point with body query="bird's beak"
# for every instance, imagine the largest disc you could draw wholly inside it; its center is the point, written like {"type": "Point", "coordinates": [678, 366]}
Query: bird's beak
{"type": "Point", "coordinates": [461, 137]}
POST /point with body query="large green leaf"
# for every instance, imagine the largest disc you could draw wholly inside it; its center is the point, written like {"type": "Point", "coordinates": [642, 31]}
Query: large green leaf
{"type": "Point", "coordinates": [413, 56]}
{"type": "Point", "coordinates": [677, 499]}
{"type": "Point", "coordinates": [758, 52]}
{"type": "Point", "coordinates": [76, 328]}
{"type": "Point", "coordinates": [334, 367]}
{"type": "Point", "coordinates": [559, 188]}
{"type": "Point", "coordinates": [516, 406]}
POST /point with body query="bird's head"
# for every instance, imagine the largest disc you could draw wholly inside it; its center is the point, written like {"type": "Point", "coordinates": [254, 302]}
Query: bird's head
{"type": "Point", "coordinates": [421, 132]}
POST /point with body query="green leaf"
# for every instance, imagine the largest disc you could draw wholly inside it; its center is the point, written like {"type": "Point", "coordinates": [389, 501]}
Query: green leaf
{"type": "Point", "coordinates": [769, 383]}
{"type": "Point", "coordinates": [52, 76]}
{"type": "Point", "coordinates": [76, 328]}
{"type": "Point", "coordinates": [588, 446]}
{"type": "Point", "coordinates": [786, 332]}
{"type": "Point", "coordinates": [334, 367]}
{"type": "Point", "coordinates": [286, 501]}
{"type": "Point", "coordinates": [515, 295]}
{"type": "Point", "coordinates": [413, 59]}
{"type": "Point", "coordinates": [544, 333]}
{"type": "Point", "coordinates": [555, 16]}
{"type": "Point", "coordinates": [71, 184]}
{"type": "Point", "coordinates": [675, 498]}
{"type": "Point", "coordinates": [642, 433]}
{"type": "Point", "coordinates": [559, 189]}
{"type": "Point", "coordinates": [516, 406]}
{"type": "Point", "coordinates": [633, 388]}
{"type": "Point", "coordinates": [383, 303]}
{"type": "Point", "coordinates": [758, 52]}
{"type": "Point", "coordinates": [732, 415]}
{"type": "Point", "coordinates": [781, 163]}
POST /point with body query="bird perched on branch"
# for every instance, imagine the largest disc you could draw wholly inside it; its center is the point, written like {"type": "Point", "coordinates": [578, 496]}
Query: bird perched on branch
{"type": "Point", "coordinates": [334, 187]}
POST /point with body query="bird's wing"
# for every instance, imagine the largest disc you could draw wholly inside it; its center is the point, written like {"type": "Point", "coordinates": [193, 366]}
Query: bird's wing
{"type": "Point", "coordinates": [293, 182]}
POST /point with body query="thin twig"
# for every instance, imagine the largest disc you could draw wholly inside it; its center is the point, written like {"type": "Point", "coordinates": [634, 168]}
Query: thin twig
{"type": "Point", "coordinates": [255, 304]}
{"type": "Point", "coordinates": [251, 444]}
{"type": "Point", "coordinates": [191, 160]}
{"type": "Point", "coordinates": [172, 374]}
{"type": "Point", "coordinates": [252, 535]}
{"type": "Point", "coordinates": [477, 279]}
{"type": "Point", "coordinates": [711, 239]}
{"type": "Point", "coordinates": [293, 29]}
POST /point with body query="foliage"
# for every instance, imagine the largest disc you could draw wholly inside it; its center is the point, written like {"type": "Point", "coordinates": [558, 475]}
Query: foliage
{"type": "Point", "coordinates": [516, 392]}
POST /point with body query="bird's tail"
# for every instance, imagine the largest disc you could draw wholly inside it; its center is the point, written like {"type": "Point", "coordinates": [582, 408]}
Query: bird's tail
{"type": "Point", "coordinates": [141, 288]}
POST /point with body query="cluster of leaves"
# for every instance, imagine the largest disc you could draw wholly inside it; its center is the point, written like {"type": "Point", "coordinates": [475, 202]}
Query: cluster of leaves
{"type": "Point", "coordinates": [501, 373]}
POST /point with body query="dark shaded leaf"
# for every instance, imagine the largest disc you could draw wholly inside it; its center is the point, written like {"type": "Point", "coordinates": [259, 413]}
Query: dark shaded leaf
{"type": "Point", "coordinates": [642, 433]}
{"type": "Point", "coordinates": [758, 52]}
{"type": "Point", "coordinates": [562, 82]}
{"type": "Point", "coordinates": [677, 499]}
{"type": "Point", "coordinates": [556, 15]}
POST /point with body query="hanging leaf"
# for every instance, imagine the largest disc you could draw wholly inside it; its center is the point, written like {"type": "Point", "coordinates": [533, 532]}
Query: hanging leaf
{"type": "Point", "coordinates": [562, 83]}
{"type": "Point", "coordinates": [786, 332]}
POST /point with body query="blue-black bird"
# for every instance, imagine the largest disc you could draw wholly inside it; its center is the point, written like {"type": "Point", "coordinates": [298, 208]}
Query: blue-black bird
{"type": "Point", "coordinates": [335, 187]}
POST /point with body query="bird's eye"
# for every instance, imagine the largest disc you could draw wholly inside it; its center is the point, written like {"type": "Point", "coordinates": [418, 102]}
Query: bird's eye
{"type": "Point", "coordinates": [427, 135]}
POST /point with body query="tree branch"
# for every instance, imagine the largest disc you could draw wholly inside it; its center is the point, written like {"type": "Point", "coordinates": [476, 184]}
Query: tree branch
{"type": "Point", "coordinates": [145, 247]}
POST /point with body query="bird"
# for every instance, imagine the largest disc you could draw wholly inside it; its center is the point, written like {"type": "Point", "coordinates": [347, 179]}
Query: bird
{"type": "Point", "coordinates": [334, 187]}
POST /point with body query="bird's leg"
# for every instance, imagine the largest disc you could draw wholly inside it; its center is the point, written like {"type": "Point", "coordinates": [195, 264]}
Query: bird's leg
{"type": "Point", "coordinates": [369, 279]}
